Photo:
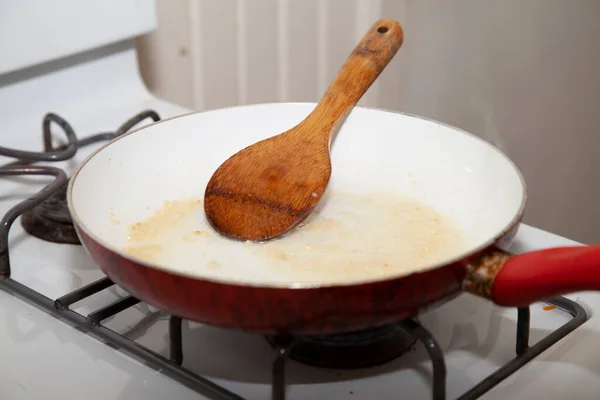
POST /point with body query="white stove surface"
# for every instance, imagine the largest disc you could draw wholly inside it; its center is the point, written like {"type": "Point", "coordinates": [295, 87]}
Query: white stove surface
{"type": "Point", "coordinates": [42, 357]}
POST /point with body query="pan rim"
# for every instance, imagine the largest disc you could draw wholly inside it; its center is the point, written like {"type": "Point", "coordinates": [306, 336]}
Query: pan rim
{"type": "Point", "coordinates": [308, 285]}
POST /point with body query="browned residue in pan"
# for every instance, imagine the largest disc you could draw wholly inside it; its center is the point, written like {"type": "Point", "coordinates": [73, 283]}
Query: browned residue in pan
{"type": "Point", "coordinates": [353, 237]}
{"type": "Point", "coordinates": [144, 237]}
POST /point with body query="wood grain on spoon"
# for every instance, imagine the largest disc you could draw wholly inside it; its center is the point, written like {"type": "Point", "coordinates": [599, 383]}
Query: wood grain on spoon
{"type": "Point", "coordinates": [266, 189]}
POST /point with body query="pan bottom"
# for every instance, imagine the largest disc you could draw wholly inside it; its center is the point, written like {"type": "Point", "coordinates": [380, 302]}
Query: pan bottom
{"type": "Point", "coordinates": [362, 349]}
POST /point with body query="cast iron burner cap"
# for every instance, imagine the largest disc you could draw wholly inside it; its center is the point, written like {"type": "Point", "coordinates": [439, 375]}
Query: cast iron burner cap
{"type": "Point", "coordinates": [362, 349]}
{"type": "Point", "coordinates": [51, 220]}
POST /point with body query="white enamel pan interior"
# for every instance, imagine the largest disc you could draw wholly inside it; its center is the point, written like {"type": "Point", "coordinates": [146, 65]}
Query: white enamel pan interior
{"type": "Point", "coordinates": [395, 177]}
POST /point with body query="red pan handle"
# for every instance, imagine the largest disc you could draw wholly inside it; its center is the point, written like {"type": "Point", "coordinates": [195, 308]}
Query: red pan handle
{"type": "Point", "coordinates": [518, 281]}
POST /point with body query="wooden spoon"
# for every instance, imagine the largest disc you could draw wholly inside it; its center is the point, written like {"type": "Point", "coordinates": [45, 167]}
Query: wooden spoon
{"type": "Point", "coordinates": [266, 189]}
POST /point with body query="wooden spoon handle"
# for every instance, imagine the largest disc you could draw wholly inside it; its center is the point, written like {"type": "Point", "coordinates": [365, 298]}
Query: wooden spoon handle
{"type": "Point", "coordinates": [362, 67]}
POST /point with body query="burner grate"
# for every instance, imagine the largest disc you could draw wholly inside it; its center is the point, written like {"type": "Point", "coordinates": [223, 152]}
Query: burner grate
{"type": "Point", "coordinates": [284, 345]}
{"type": "Point", "coordinates": [363, 349]}
{"type": "Point", "coordinates": [47, 216]}
{"type": "Point", "coordinates": [92, 324]}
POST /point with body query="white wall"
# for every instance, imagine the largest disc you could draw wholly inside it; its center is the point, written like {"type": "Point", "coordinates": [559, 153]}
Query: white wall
{"type": "Point", "coordinates": [524, 75]}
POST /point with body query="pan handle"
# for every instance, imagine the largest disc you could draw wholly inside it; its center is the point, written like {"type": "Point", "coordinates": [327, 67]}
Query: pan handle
{"type": "Point", "coordinates": [519, 280]}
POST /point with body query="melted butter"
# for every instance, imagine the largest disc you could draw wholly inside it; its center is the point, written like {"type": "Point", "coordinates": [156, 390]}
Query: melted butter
{"type": "Point", "coordinates": [168, 216]}
{"type": "Point", "coordinates": [145, 252]}
{"type": "Point", "coordinates": [351, 237]}
{"type": "Point", "coordinates": [213, 265]}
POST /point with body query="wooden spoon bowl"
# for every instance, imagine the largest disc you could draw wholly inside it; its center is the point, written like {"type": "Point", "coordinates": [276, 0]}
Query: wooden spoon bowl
{"type": "Point", "coordinates": [266, 189]}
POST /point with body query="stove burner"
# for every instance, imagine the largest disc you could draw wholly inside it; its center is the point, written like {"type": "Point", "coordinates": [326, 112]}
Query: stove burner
{"type": "Point", "coordinates": [362, 349]}
{"type": "Point", "coordinates": [51, 220]}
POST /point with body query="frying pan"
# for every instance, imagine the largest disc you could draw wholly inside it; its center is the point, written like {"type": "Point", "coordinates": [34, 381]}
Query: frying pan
{"type": "Point", "coordinates": [376, 154]}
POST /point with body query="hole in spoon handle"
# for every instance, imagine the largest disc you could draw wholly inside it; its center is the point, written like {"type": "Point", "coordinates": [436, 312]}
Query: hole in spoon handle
{"type": "Point", "coordinates": [377, 47]}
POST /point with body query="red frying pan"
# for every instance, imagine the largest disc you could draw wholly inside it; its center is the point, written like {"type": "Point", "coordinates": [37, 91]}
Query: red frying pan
{"type": "Point", "coordinates": [415, 212]}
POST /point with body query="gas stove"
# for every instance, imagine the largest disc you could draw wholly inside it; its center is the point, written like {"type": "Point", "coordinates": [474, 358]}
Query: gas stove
{"type": "Point", "coordinates": [68, 332]}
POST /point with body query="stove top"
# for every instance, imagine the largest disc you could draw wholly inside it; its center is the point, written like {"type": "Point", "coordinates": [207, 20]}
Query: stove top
{"type": "Point", "coordinates": [45, 217]}
{"type": "Point", "coordinates": [64, 321]}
